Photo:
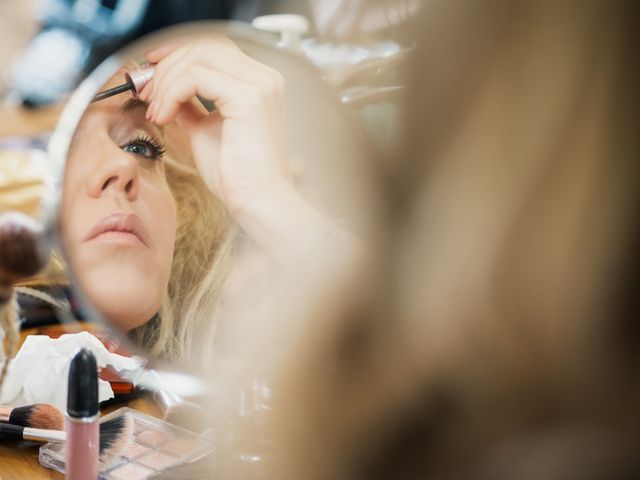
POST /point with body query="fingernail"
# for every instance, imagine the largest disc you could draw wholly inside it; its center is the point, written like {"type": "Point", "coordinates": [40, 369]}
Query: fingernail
{"type": "Point", "coordinates": [149, 113]}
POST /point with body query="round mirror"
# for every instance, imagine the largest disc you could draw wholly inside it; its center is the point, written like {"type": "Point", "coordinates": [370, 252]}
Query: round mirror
{"type": "Point", "coordinates": [201, 166]}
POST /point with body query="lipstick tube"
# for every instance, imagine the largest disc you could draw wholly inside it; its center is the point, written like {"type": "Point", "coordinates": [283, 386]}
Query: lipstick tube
{"type": "Point", "coordinates": [83, 429]}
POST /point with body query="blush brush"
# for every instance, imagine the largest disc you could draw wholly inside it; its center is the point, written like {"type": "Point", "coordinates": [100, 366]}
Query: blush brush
{"type": "Point", "coordinates": [115, 435]}
{"type": "Point", "coordinates": [40, 415]}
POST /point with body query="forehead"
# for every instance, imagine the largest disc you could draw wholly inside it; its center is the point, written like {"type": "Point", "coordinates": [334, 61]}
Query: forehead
{"type": "Point", "coordinates": [117, 78]}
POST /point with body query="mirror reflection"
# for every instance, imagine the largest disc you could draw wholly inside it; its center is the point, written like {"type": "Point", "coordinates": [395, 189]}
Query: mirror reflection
{"type": "Point", "coordinates": [207, 212]}
{"type": "Point", "coordinates": [118, 213]}
{"type": "Point", "coordinates": [188, 192]}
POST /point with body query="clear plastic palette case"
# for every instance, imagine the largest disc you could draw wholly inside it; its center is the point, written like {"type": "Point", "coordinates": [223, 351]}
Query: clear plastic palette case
{"type": "Point", "coordinates": [155, 445]}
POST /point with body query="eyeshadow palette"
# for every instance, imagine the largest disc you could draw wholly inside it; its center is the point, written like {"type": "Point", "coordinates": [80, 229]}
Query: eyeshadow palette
{"type": "Point", "coordinates": [155, 445]}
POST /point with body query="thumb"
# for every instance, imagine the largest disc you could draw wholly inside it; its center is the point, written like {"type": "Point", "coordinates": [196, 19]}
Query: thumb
{"type": "Point", "coordinates": [190, 115]}
{"type": "Point", "coordinates": [204, 131]}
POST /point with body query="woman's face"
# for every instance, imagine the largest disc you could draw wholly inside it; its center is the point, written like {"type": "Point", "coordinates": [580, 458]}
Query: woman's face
{"type": "Point", "coordinates": [118, 217]}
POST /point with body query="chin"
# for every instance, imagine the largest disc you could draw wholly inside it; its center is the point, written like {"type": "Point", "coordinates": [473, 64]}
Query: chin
{"type": "Point", "coordinates": [126, 321]}
{"type": "Point", "coordinates": [126, 303]}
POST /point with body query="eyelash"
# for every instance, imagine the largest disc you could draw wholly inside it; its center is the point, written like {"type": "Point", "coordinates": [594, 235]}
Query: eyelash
{"type": "Point", "coordinates": [157, 150]}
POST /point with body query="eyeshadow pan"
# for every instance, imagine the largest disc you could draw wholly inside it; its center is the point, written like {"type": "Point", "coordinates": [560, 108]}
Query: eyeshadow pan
{"type": "Point", "coordinates": [131, 471]}
{"type": "Point", "coordinates": [139, 427]}
{"type": "Point", "coordinates": [154, 437]}
{"type": "Point", "coordinates": [112, 463]}
{"type": "Point", "coordinates": [180, 446]}
{"type": "Point", "coordinates": [157, 460]}
{"type": "Point", "coordinates": [155, 446]}
{"type": "Point", "coordinates": [133, 450]}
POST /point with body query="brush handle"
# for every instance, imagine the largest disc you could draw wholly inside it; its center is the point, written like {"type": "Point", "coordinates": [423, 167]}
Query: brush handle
{"type": "Point", "coordinates": [16, 432]}
{"type": "Point", "coordinates": [5, 413]}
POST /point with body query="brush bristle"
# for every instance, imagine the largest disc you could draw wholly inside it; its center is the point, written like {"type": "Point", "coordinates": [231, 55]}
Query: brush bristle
{"type": "Point", "coordinates": [40, 415]}
{"type": "Point", "coordinates": [115, 435]}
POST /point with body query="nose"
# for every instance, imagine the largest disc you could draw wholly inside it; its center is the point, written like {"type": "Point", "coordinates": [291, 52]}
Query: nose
{"type": "Point", "coordinates": [118, 173]}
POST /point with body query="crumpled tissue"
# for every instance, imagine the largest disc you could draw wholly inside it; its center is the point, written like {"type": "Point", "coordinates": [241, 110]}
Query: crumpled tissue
{"type": "Point", "coordinates": [39, 372]}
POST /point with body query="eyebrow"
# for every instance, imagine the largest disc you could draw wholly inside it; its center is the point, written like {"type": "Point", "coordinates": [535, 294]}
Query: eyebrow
{"type": "Point", "coordinates": [133, 104]}
{"type": "Point", "coordinates": [136, 104]}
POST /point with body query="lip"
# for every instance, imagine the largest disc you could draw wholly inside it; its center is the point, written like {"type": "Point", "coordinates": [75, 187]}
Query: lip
{"type": "Point", "coordinates": [128, 225]}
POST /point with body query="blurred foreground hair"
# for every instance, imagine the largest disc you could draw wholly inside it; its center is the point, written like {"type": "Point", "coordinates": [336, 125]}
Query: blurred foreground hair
{"type": "Point", "coordinates": [503, 339]}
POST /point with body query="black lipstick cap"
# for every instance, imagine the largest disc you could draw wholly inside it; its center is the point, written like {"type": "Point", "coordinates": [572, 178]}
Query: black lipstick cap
{"type": "Point", "coordinates": [82, 398]}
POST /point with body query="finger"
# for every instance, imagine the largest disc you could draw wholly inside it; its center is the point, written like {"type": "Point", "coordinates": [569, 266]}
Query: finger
{"type": "Point", "coordinates": [157, 54]}
{"type": "Point", "coordinates": [229, 60]}
{"type": "Point", "coordinates": [177, 70]}
{"type": "Point", "coordinates": [221, 55]}
{"type": "Point", "coordinates": [204, 141]}
{"type": "Point", "coordinates": [231, 97]}
{"type": "Point", "coordinates": [146, 91]}
{"type": "Point", "coordinates": [237, 66]}
{"type": "Point", "coordinates": [190, 114]}
{"type": "Point", "coordinates": [164, 65]}
{"type": "Point", "coordinates": [233, 63]}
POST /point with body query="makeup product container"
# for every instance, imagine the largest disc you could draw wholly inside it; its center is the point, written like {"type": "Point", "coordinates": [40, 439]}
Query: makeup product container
{"type": "Point", "coordinates": [155, 446]}
{"type": "Point", "coordinates": [140, 76]}
{"type": "Point", "coordinates": [83, 429]}
{"type": "Point", "coordinates": [135, 80]}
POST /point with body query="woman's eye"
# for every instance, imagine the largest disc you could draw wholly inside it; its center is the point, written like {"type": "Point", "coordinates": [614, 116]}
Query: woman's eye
{"type": "Point", "coordinates": [141, 149]}
{"type": "Point", "coordinates": [145, 148]}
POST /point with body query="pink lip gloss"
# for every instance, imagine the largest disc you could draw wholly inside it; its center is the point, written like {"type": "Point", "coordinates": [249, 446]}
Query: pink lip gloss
{"type": "Point", "coordinates": [83, 429]}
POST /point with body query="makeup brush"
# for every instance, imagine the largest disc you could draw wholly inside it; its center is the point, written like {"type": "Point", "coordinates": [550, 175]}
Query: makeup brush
{"type": "Point", "coordinates": [39, 415]}
{"type": "Point", "coordinates": [179, 411]}
{"type": "Point", "coordinates": [115, 435]}
{"type": "Point", "coordinates": [21, 253]}
{"type": "Point", "coordinates": [135, 81]}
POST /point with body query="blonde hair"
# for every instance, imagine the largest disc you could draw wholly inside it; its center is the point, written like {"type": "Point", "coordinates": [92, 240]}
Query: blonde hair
{"type": "Point", "coordinates": [522, 171]}
{"type": "Point", "coordinates": [9, 327]}
{"type": "Point", "coordinates": [503, 334]}
{"type": "Point", "coordinates": [186, 324]}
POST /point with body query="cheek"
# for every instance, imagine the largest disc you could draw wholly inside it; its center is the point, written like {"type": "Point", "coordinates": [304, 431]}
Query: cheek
{"type": "Point", "coordinates": [72, 216]}
{"type": "Point", "coordinates": [164, 221]}
{"type": "Point", "coordinates": [81, 167]}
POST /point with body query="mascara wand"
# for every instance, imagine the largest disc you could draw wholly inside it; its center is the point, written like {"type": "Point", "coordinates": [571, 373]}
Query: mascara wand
{"type": "Point", "coordinates": [125, 87]}
{"type": "Point", "coordinates": [136, 80]}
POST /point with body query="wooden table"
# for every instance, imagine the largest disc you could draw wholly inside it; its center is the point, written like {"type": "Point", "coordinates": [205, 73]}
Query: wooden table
{"type": "Point", "coordinates": [19, 460]}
